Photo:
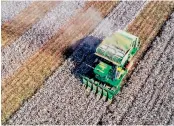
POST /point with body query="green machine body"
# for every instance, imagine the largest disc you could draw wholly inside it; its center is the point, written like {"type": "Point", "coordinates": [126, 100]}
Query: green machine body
{"type": "Point", "coordinates": [114, 61]}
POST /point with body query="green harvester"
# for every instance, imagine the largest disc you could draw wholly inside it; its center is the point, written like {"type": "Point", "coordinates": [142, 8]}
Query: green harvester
{"type": "Point", "coordinates": [113, 62]}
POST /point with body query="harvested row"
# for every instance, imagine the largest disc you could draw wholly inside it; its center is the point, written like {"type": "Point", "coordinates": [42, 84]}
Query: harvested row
{"type": "Point", "coordinates": [14, 55]}
{"type": "Point", "coordinates": [9, 9]}
{"type": "Point", "coordinates": [151, 21]}
{"type": "Point", "coordinates": [14, 28]}
{"type": "Point", "coordinates": [126, 99]}
{"type": "Point", "coordinates": [32, 74]}
{"type": "Point", "coordinates": [62, 96]}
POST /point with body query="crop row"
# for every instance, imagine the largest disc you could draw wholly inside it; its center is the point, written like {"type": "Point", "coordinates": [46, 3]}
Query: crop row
{"type": "Point", "coordinates": [126, 99]}
{"type": "Point", "coordinates": [22, 22]}
{"type": "Point", "coordinates": [60, 97]}
{"type": "Point", "coordinates": [14, 55]}
{"type": "Point", "coordinates": [62, 94]}
{"type": "Point", "coordinates": [44, 62]}
{"type": "Point", "coordinates": [148, 23]}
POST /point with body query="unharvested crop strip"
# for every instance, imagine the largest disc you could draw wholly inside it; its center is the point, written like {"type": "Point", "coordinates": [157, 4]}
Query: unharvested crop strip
{"type": "Point", "coordinates": [17, 52]}
{"type": "Point", "coordinates": [154, 84]}
{"type": "Point", "coordinates": [23, 21]}
{"type": "Point", "coordinates": [159, 14]}
{"type": "Point", "coordinates": [76, 112]}
{"type": "Point", "coordinates": [151, 24]}
{"type": "Point", "coordinates": [10, 9]}
{"type": "Point", "coordinates": [47, 59]}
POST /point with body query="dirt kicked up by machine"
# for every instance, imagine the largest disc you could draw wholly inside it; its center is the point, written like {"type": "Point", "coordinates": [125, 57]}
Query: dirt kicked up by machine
{"type": "Point", "coordinates": [113, 62]}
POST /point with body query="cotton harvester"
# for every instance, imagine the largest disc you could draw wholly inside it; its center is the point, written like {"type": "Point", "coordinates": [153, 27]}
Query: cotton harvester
{"type": "Point", "coordinates": [113, 62]}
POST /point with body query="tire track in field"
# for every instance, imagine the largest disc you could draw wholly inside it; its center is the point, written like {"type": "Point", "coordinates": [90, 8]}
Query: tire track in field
{"type": "Point", "coordinates": [29, 77]}
{"type": "Point", "coordinates": [139, 77]}
{"type": "Point", "coordinates": [14, 55]}
{"type": "Point", "coordinates": [63, 98]}
{"type": "Point", "coordinates": [14, 28]}
{"type": "Point", "coordinates": [11, 8]}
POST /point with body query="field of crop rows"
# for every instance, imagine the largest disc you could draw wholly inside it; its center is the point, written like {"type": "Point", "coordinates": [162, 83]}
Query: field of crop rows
{"type": "Point", "coordinates": [45, 46]}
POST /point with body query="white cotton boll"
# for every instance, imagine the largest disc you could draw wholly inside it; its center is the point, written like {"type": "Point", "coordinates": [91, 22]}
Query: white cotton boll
{"type": "Point", "coordinates": [64, 91]}
{"type": "Point", "coordinates": [33, 39]}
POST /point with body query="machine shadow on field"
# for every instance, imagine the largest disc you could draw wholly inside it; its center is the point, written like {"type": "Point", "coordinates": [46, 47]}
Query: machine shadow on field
{"type": "Point", "coordinates": [82, 55]}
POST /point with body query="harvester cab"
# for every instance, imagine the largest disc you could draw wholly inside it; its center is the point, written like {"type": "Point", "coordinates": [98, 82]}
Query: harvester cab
{"type": "Point", "coordinates": [113, 63]}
